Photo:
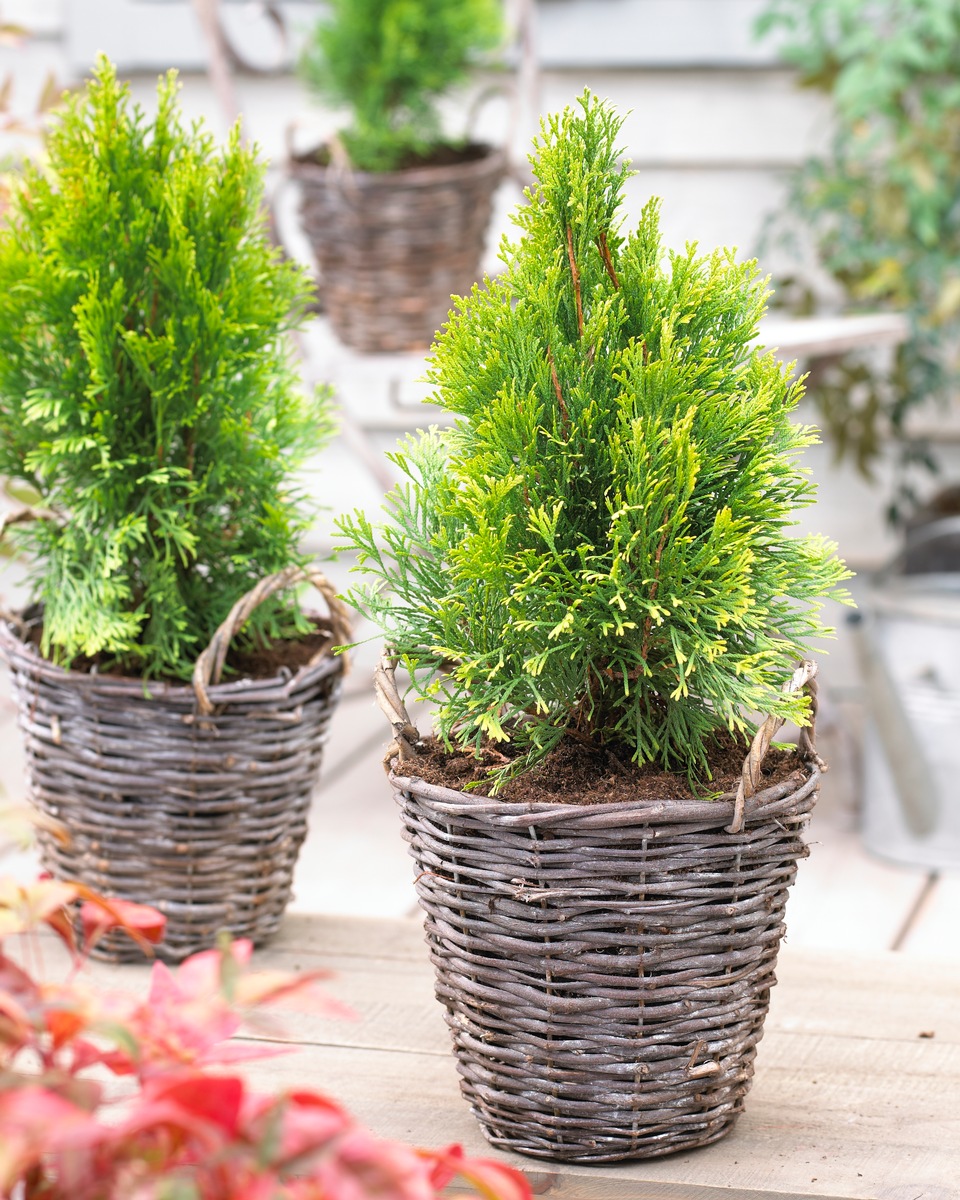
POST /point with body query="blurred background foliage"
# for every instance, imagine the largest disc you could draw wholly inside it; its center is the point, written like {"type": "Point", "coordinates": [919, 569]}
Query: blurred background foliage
{"type": "Point", "coordinates": [882, 206]}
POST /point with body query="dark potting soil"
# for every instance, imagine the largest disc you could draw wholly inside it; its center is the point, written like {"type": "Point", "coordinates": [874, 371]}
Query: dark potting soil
{"type": "Point", "coordinates": [261, 662]}
{"type": "Point", "coordinates": [577, 773]}
{"type": "Point", "coordinates": [266, 661]}
{"type": "Point", "coordinates": [440, 156]}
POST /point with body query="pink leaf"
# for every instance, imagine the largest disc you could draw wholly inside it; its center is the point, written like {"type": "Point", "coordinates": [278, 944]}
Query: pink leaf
{"type": "Point", "coordinates": [308, 1123]}
{"type": "Point", "coordinates": [364, 1167]}
{"type": "Point", "coordinates": [86, 1054]}
{"type": "Point", "coordinates": [493, 1180]}
{"type": "Point", "coordinates": [42, 1122]}
{"type": "Point", "coordinates": [99, 914]}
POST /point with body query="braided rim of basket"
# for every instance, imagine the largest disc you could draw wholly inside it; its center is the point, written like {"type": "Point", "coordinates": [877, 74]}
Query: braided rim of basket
{"type": "Point", "coordinates": [407, 744]}
{"type": "Point", "coordinates": [341, 172]}
{"type": "Point", "coordinates": [209, 665]}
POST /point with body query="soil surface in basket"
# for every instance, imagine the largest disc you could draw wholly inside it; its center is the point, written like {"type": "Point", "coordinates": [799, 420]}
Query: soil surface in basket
{"type": "Point", "coordinates": [575, 773]}
{"type": "Point", "coordinates": [263, 662]}
{"type": "Point", "coordinates": [441, 156]}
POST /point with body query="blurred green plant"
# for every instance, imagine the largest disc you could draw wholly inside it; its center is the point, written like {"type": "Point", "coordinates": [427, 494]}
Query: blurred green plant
{"type": "Point", "coordinates": [389, 62]}
{"type": "Point", "coordinates": [883, 205]}
{"type": "Point", "coordinates": [148, 399]}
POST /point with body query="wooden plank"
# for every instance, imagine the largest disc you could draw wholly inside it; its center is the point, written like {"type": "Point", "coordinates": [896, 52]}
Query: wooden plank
{"type": "Point", "coordinates": [875, 997]}
{"type": "Point", "coordinates": [844, 898]}
{"type": "Point", "coordinates": [849, 1100]}
{"type": "Point", "coordinates": [828, 1116]}
{"type": "Point", "coordinates": [934, 932]}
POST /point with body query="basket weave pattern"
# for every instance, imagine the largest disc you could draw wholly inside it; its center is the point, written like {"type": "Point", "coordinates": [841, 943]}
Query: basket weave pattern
{"type": "Point", "coordinates": [605, 969]}
{"type": "Point", "coordinates": [392, 248]}
{"type": "Point", "coordinates": [192, 800]}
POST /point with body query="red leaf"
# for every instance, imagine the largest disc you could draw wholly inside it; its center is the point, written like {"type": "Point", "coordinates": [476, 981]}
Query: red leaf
{"type": "Point", "coordinates": [216, 1099]}
{"type": "Point", "coordinates": [493, 1180]}
{"type": "Point", "coordinates": [287, 989]}
{"type": "Point", "coordinates": [308, 1123]}
{"type": "Point", "coordinates": [444, 1164]}
{"type": "Point", "coordinates": [62, 926]}
{"type": "Point", "coordinates": [86, 1054]}
{"type": "Point", "coordinates": [16, 983]}
{"type": "Point", "coordinates": [19, 996]}
{"type": "Point", "coordinates": [99, 914]}
{"type": "Point", "coordinates": [63, 1025]}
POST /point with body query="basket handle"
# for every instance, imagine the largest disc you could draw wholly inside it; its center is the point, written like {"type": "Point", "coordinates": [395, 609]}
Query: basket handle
{"type": "Point", "coordinates": [406, 737]}
{"type": "Point", "coordinates": [211, 661]}
{"type": "Point", "coordinates": [804, 677]}
{"type": "Point", "coordinates": [20, 516]}
{"type": "Point", "coordinates": [407, 740]}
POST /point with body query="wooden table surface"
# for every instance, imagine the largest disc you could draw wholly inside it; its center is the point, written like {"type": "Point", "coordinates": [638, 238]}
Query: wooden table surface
{"type": "Point", "coordinates": [857, 1088]}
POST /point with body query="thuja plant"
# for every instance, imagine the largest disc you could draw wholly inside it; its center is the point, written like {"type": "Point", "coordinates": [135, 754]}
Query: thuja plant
{"type": "Point", "coordinates": [880, 204]}
{"type": "Point", "coordinates": [147, 395]}
{"type": "Point", "coordinates": [599, 546]}
{"type": "Point", "coordinates": [389, 62]}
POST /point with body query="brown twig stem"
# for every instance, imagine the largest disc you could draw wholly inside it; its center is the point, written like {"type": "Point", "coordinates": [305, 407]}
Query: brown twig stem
{"type": "Point", "coordinates": [576, 279]}
{"type": "Point", "coordinates": [558, 389]}
{"type": "Point", "coordinates": [607, 260]}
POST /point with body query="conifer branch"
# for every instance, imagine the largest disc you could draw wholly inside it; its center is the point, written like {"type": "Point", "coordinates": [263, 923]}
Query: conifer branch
{"type": "Point", "coordinates": [558, 390]}
{"type": "Point", "coordinates": [576, 279]}
{"type": "Point", "coordinates": [607, 260]}
{"type": "Point", "coordinates": [654, 588]}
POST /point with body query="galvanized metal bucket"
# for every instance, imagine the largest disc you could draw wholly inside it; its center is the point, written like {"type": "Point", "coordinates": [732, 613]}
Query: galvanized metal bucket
{"type": "Point", "coordinates": [909, 640]}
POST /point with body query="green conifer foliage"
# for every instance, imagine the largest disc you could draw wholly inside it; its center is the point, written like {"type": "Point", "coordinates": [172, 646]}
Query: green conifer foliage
{"type": "Point", "coordinates": [388, 62]}
{"type": "Point", "coordinates": [147, 393]}
{"type": "Point", "coordinates": [599, 544]}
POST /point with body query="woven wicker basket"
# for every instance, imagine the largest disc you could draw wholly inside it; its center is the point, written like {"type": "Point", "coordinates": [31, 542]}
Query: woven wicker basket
{"type": "Point", "coordinates": [605, 969]}
{"type": "Point", "coordinates": [192, 799]}
{"type": "Point", "coordinates": [392, 248]}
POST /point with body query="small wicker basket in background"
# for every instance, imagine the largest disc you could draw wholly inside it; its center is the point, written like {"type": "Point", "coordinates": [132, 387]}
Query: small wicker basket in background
{"type": "Point", "coordinates": [605, 969]}
{"type": "Point", "coordinates": [191, 799]}
{"type": "Point", "coordinates": [392, 248]}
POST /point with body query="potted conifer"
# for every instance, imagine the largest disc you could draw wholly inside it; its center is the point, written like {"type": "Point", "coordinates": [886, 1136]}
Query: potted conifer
{"type": "Point", "coordinates": [589, 576]}
{"type": "Point", "coordinates": [148, 398]}
{"type": "Point", "coordinates": [396, 211]}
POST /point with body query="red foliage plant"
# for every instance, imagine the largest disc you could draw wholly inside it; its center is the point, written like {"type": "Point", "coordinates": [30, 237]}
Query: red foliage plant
{"type": "Point", "coordinates": [187, 1128]}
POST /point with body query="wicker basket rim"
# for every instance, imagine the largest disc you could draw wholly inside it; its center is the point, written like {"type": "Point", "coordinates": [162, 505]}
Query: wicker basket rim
{"type": "Point", "coordinates": [153, 689]}
{"type": "Point", "coordinates": [493, 162]}
{"type": "Point", "coordinates": [769, 802]}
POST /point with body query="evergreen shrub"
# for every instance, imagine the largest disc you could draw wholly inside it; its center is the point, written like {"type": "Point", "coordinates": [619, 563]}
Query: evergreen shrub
{"type": "Point", "coordinates": [599, 544]}
{"type": "Point", "coordinates": [389, 62]}
{"type": "Point", "coordinates": [148, 399]}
